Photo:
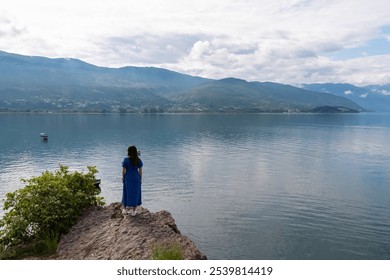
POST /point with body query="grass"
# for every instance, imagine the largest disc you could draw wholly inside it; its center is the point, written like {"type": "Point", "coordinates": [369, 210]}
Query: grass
{"type": "Point", "coordinates": [167, 251]}
{"type": "Point", "coordinates": [37, 249]}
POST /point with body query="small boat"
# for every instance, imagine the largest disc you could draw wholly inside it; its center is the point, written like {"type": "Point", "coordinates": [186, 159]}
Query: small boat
{"type": "Point", "coordinates": [44, 136]}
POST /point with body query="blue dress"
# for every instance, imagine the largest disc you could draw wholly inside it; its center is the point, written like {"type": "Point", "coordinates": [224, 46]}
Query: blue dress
{"type": "Point", "coordinates": [131, 184]}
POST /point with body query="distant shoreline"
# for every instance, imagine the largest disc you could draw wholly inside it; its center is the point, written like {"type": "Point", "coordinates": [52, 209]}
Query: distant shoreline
{"type": "Point", "coordinates": [350, 111]}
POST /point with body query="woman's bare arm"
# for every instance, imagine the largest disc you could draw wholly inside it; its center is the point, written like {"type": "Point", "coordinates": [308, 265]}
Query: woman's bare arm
{"type": "Point", "coordinates": [123, 173]}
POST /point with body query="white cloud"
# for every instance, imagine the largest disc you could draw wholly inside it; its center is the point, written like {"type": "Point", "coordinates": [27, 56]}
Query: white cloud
{"type": "Point", "coordinates": [200, 49]}
{"type": "Point", "coordinates": [288, 41]}
{"type": "Point", "coordinates": [385, 92]}
{"type": "Point", "coordinates": [381, 91]}
{"type": "Point", "coordinates": [348, 92]}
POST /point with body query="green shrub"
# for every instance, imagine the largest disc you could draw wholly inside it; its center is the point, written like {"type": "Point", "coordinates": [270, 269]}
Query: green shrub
{"type": "Point", "coordinates": [167, 252]}
{"type": "Point", "coordinates": [46, 207]}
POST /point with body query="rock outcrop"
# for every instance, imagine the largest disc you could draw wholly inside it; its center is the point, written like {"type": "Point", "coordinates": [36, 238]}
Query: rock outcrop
{"type": "Point", "coordinates": [105, 233]}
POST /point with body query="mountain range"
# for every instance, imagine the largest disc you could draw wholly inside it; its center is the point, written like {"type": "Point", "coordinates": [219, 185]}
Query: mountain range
{"type": "Point", "coordinates": [371, 98]}
{"type": "Point", "coordinates": [40, 84]}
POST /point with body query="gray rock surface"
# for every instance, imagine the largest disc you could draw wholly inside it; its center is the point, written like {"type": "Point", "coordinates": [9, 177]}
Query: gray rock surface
{"type": "Point", "coordinates": [105, 233]}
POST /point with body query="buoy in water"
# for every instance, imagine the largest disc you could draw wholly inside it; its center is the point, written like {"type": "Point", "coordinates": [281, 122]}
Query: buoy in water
{"type": "Point", "coordinates": [44, 137]}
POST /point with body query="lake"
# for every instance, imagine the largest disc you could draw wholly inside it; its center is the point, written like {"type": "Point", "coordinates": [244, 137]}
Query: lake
{"type": "Point", "coordinates": [241, 186]}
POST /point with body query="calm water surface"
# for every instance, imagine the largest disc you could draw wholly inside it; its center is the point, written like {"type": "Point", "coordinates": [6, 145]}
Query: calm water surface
{"type": "Point", "coordinates": [261, 186]}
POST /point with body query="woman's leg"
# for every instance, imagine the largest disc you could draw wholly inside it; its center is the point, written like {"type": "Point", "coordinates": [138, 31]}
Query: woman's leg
{"type": "Point", "coordinates": [134, 211]}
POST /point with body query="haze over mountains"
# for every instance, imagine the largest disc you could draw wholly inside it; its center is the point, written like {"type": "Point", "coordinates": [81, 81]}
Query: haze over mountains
{"type": "Point", "coordinates": [372, 98]}
{"type": "Point", "coordinates": [69, 85]}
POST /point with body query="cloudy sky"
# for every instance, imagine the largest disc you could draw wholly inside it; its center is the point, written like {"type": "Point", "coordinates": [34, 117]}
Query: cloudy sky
{"type": "Point", "coordinates": [286, 41]}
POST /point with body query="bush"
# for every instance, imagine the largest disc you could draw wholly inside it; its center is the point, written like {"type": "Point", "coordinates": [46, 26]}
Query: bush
{"type": "Point", "coordinates": [47, 206]}
{"type": "Point", "coordinates": [167, 252]}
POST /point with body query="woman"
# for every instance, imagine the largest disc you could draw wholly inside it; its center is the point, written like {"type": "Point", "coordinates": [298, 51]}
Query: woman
{"type": "Point", "coordinates": [132, 179]}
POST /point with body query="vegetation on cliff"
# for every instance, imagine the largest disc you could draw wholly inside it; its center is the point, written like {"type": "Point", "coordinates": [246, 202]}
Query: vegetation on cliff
{"type": "Point", "coordinates": [47, 207]}
{"type": "Point", "coordinates": [59, 215]}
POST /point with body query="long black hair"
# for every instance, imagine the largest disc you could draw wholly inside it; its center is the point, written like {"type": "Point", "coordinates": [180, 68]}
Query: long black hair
{"type": "Point", "coordinates": [133, 155]}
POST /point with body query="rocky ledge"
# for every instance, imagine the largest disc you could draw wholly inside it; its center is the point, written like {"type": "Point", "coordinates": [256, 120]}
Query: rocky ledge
{"type": "Point", "coordinates": [104, 233]}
